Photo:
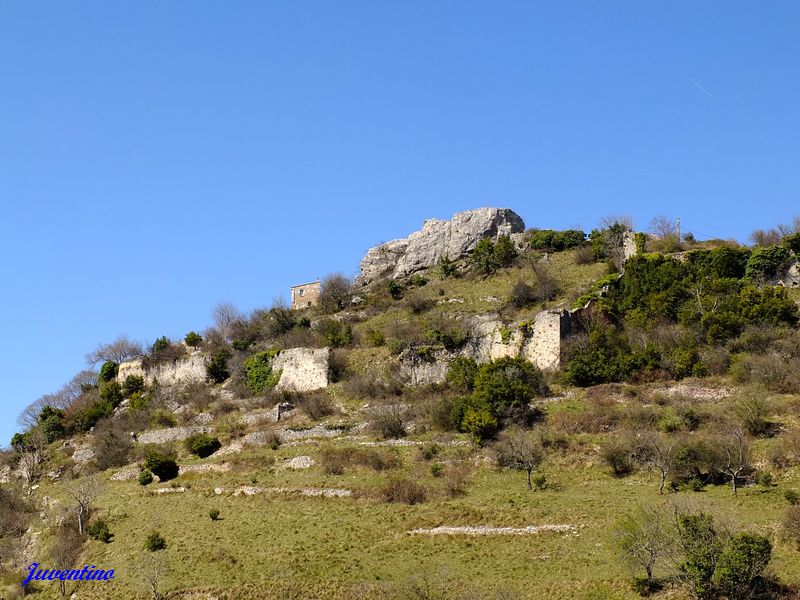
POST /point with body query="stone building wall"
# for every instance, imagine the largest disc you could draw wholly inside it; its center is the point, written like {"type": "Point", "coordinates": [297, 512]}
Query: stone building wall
{"type": "Point", "coordinates": [305, 295]}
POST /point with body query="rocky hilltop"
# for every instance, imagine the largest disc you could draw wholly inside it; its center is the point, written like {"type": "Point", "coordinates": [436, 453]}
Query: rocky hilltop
{"type": "Point", "coordinates": [422, 249]}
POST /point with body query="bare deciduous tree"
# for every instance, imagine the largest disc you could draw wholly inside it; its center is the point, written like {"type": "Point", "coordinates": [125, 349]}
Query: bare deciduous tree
{"type": "Point", "coordinates": [336, 292]}
{"type": "Point", "coordinates": [64, 551]}
{"type": "Point", "coordinates": [734, 455]}
{"type": "Point", "coordinates": [658, 453]}
{"type": "Point", "coordinates": [120, 350]}
{"type": "Point", "coordinates": [642, 539]}
{"type": "Point", "coordinates": [32, 455]}
{"type": "Point", "coordinates": [663, 227]}
{"type": "Point", "coordinates": [153, 571]}
{"type": "Point", "coordinates": [521, 449]}
{"type": "Point", "coordinates": [225, 316]}
{"type": "Point", "coordinates": [84, 493]}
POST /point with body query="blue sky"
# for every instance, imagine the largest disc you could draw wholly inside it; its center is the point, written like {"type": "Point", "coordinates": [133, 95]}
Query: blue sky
{"type": "Point", "coordinates": [157, 158]}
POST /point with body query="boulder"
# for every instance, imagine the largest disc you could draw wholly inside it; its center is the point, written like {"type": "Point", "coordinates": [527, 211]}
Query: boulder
{"type": "Point", "coordinates": [454, 239]}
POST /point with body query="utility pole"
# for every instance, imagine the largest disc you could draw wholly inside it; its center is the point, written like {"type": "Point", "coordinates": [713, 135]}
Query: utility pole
{"type": "Point", "coordinates": [679, 230]}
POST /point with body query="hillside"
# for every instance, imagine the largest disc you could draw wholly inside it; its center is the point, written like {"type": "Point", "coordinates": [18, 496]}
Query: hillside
{"type": "Point", "coordinates": [381, 443]}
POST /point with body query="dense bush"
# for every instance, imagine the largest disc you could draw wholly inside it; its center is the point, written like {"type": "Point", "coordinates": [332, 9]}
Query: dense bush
{"type": "Point", "coordinates": [335, 334]}
{"type": "Point", "coordinates": [406, 491]}
{"type": "Point", "coordinates": [549, 240]}
{"type": "Point", "coordinates": [132, 385]}
{"type": "Point", "coordinates": [605, 355]}
{"type": "Point", "coordinates": [741, 565]}
{"type": "Point", "coordinates": [507, 382]}
{"type": "Point", "coordinates": [461, 373]}
{"type": "Point", "coordinates": [161, 463]}
{"type": "Point", "coordinates": [217, 368]}
{"type": "Point", "coordinates": [260, 376]}
{"type": "Point", "coordinates": [193, 339]}
{"type": "Point", "coordinates": [767, 263]}
{"type": "Point", "coordinates": [98, 530]}
{"type": "Point", "coordinates": [487, 256]}
{"type": "Point", "coordinates": [145, 477]}
{"type": "Point", "coordinates": [213, 514]}
{"type": "Point", "coordinates": [387, 422]}
{"type": "Point", "coordinates": [112, 393]}
{"type": "Point", "coordinates": [202, 444]}
{"type": "Point", "coordinates": [155, 541]}
{"type": "Point", "coordinates": [108, 371]}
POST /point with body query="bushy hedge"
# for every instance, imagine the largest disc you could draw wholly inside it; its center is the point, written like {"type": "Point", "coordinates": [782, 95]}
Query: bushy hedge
{"type": "Point", "coordinates": [202, 444]}
{"type": "Point", "coordinates": [550, 240]}
{"type": "Point", "coordinates": [161, 463]}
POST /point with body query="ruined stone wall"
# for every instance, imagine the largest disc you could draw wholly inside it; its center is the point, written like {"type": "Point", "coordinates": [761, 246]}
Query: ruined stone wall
{"type": "Point", "coordinates": [302, 369]}
{"type": "Point", "coordinates": [543, 346]}
{"type": "Point", "coordinates": [181, 372]}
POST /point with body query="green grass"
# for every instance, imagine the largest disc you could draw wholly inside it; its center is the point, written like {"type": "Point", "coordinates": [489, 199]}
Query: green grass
{"type": "Point", "coordinates": [331, 547]}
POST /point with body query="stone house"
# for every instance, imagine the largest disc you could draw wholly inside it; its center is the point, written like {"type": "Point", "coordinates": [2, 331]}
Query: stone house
{"type": "Point", "coordinates": [305, 295]}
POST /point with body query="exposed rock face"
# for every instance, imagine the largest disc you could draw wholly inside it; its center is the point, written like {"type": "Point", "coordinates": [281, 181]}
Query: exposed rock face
{"type": "Point", "coordinates": [454, 239]}
{"type": "Point", "coordinates": [302, 369]}
{"type": "Point", "coordinates": [792, 277]}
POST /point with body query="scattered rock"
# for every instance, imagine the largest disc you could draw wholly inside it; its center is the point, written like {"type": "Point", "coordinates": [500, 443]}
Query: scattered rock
{"type": "Point", "coordinates": [126, 474]}
{"type": "Point", "coordinates": [169, 490]}
{"type": "Point", "coordinates": [204, 468]}
{"type": "Point", "coordinates": [299, 462]}
{"type": "Point", "coordinates": [171, 434]}
{"type": "Point", "coordinates": [83, 455]}
{"type": "Point", "coordinates": [486, 530]}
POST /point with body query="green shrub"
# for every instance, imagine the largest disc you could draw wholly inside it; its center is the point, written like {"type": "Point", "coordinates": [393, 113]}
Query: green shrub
{"type": "Point", "coordinates": [163, 418]}
{"type": "Point", "coordinates": [504, 251]}
{"type": "Point", "coordinates": [99, 531]}
{"type": "Point", "coordinates": [461, 373]}
{"type": "Point", "coordinates": [95, 412]}
{"type": "Point", "coordinates": [193, 339]}
{"type": "Point", "coordinates": [260, 376]}
{"type": "Point", "coordinates": [217, 368]}
{"type": "Point", "coordinates": [618, 456]}
{"type": "Point", "coordinates": [418, 280]}
{"type": "Point", "coordinates": [767, 263]}
{"type": "Point", "coordinates": [374, 338]}
{"type": "Point", "coordinates": [792, 497]}
{"type": "Point", "coordinates": [145, 477]}
{"type": "Point", "coordinates": [160, 345]}
{"type": "Point", "coordinates": [108, 371]}
{"type": "Point", "coordinates": [214, 514]}
{"type": "Point", "coordinates": [479, 421]}
{"type": "Point", "coordinates": [701, 545]}
{"type": "Point", "coordinates": [334, 333]}
{"type": "Point", "coordinates": [202, 444]}
{"type": "Point", "coordinates": [483, 257]}
{"type": "Point", "coordinates": [161, 463]}
{"type": "Point", "coordinates": [133, 384]}
{"type": "Point", "coordinates": [111, 392]}
{"type": "Point", "coordinates": [155, 541]}
{"type": "Point", "coordinates": [549, 240]}
{"type": "Point", "coordinates": [437, 469]}
{"type": "Point", "coordinates": [507, 382]}
{"type": "Point", "coordinates": [741, 565]}
{"type": "Point", "coordinates": [448, 267]}
{"type": "Point", "coordinates": [396, 289]}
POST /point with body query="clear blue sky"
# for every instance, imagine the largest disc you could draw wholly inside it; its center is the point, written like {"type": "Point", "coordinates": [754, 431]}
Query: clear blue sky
{"type": "Point", "coordinates": [157, 158]}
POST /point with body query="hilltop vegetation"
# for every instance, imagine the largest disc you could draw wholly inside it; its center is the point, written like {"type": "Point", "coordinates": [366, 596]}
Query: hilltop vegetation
{"type": "Point", "coordinates": [662, 458]}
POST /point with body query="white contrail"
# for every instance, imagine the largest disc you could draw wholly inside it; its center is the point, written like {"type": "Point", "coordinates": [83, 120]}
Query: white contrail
{"type": "Point", "coordinates": [700, 87]}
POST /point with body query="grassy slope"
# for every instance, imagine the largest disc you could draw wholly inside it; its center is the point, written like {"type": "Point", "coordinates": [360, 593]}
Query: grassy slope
{"type": "Point", "coordinates": [300, 547]}
{"type": "Point", "coordinates": [324, 546]}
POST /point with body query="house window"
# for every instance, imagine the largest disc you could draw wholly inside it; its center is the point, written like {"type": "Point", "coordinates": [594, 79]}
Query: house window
{"type": "Point", "coordinates": [302, 292]}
